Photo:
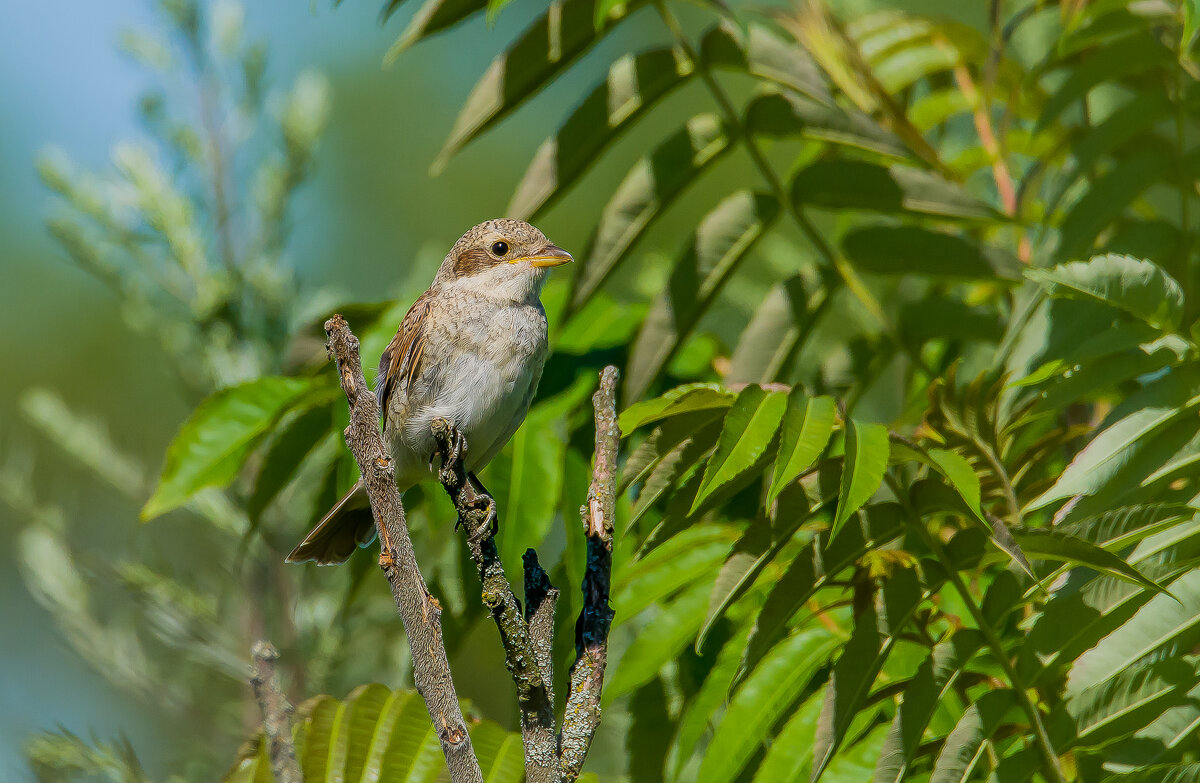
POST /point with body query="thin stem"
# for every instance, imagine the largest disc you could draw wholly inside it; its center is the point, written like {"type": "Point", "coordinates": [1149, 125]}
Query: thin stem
{"type": "Point", "coordinates": [275, 711]}
{"type": "Point", "coordinates": [834, 262]}
{"type": "Point", "coordinates": [420, 613]}
{"type": "Point", "coordinates": [1041, 737]}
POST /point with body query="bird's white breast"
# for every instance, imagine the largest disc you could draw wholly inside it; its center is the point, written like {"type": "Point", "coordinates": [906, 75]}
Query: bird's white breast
{"type": "Point", "coordinates": [480, 365]}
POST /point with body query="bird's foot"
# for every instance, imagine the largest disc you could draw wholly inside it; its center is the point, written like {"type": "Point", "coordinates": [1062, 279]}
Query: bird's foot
{"type": "Point", "coordinates": [488, 526]}
{"type": "Point", "coordinates": [455, 448]}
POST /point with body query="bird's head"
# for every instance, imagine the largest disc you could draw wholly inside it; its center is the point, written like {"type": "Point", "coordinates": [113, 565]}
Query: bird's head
{"type": "Point", "coordinates": [502, 258]}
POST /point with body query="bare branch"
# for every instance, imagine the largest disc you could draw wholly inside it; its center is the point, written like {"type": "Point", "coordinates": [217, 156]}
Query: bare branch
{"type": "Point", "coordinates": [541, 598]}
{"type": "Point", "coordinates": [591, 629]}
{"type": "Point", "coordinates": [534, 699]}
{"type": "Point", "coordinates": [419, 611]}
{"type": "Point", "coordinates": [275, 710]}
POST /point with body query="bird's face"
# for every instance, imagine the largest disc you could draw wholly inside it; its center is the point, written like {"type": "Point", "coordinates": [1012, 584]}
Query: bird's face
{"type": "Point", "coordinates": [501, 258]}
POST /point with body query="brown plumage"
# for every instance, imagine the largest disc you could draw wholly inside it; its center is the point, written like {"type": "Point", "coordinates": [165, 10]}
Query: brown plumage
{"type": "Point", "coordinates": [470, 349]}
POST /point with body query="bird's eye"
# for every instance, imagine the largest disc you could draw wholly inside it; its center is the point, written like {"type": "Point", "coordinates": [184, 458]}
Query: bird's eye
{"type": "Point", "coordinates": [499, 248]}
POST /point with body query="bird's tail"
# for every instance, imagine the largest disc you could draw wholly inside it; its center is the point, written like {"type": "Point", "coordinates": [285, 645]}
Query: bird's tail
{"type": "Point", "coordinates": [348, 525]}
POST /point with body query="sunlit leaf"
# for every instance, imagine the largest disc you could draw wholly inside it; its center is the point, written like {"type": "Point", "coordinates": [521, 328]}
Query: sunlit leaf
{"type": "Point", "coordinates": [761, 699]}
{"type": "Point", "coordinates": [1042, 544]}
{"type": "Point", "coordinates": [1129, 700]}
{"type": "Point", "coordinates": [747, 433]}
{"type": "Point", "coordinates": [961, 476]}
{"type": "Point", "coordinates": [677, 401]}
{"type": "Point", "coordinates": [867, 449]}
{"type": "Point", "coordinates": [214, 442]}
{"type": "Point", "coordinates": [1170, 622]}
{"type": "Point", "coordinates": [1138, 287]}
{"type": "Point", "coordinates": [807, 425]}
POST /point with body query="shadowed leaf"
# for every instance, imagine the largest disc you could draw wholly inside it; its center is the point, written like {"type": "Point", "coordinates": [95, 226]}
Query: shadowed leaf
{"type": "Point", "coordinates": [722, 241]}
{"type": "Point", "coordinates": [653, 183]}
{"type": "Point", "coordinates": [538, 55]}
{"type": "Point", "coordinates": [634, 84]}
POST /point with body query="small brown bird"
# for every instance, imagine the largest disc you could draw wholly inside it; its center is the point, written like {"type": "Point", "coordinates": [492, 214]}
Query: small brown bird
{"type": "Point", "coordinates": [470, 350]}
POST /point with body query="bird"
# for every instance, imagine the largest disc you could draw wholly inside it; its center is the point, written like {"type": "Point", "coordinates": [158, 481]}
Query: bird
{"type": "Point", "coordinates": [470, 350]}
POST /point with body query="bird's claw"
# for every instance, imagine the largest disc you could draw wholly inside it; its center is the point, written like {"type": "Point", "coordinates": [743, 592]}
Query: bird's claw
{"type": "Point", "coordinates": [488, 526]}
{"type": "Point", "coordinates": [456, 449]}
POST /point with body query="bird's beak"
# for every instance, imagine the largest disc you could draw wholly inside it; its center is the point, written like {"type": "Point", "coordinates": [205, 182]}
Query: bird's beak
{"type": "Point", "coordinates": [550, 255]}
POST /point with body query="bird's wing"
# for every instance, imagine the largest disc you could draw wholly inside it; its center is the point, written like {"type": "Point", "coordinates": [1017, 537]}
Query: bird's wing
{"type": "Point", "coordinates": [401, 360]}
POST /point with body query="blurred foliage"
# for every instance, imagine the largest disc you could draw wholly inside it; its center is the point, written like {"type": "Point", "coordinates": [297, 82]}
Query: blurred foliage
{"type": "Point", "coordinates": [910, 478]}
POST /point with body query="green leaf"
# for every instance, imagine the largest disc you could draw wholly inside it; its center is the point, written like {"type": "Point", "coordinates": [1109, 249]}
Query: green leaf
{"type": "Point", "coordinates": [648, 740]}
{"type": "Point", "coordinates": [1074, 622]}
{"type": "Point", "coordinates": [1165, 773]}
{"type": "Point", "coordinates": [713, 693]}
{"type": "Point", "coordinates": [807, 425]}
{"type": "Point", "coordinates": [965, 745]}
{"type": "Point", "coordinates": [747, 433]}
{"type": "Point", "coordinates": [674, 468]}
{"type": "Point", "coordinates": [538, 55]}
{"type": "Point", "coordinates": [286, 454]}
{"type": "Point", "coordinates": [1133, 119]}
{"type": "Point", "coordinates": [875, 634]}
{"type": "Point", "coordinates": [653, 183]}
{"type": "Point", "coordinates": [634, 84]}
{"type": "Point", "coordinates": [660, 641]}
{"type": "Point", "coordinates": [500, 753]}
{"type": "Point", "coordinates": [1138, 287]}
{"type": "Point", "coordinates": [432, 17]}
{"type": "Point", "coordinates": [773, 336]}
{"type": "Point", "coordinates": [790, 755]}
{"type": "Point", "coordinates": [892, 250]}
{"type": "Point", "coordinates": [721, 243]}
{"type": "Point", "coordinates": [1125, 57]}
{"type": "Point", "coordinates": [813, 568]}
{"type": "Point", "coordinates": [685, 558]}
{"type": "Point", "coordinates": [1094, 466]}
{"type": "Point", "coordinates": [379, 734]}
{"type": "Point", "coordinates": [1123, 527]}
{"type": "Point", "coordinates": [214, 442]}
{"type": "Point", "coordinates": [790, 115]}
{"type": "Point", "coordinates": [762, 699]}
{"type": "Point", "coordinates": [1165, 622]}
{"type": "Point", "coordinates": [525, 478]}
{"type": "Point", "coordinates": [753, 552]}
{"type": "Point", "coordinates": [1129, 700]}
{"type": "Point", "coordinates": [1108, 196]}
{"type": "Point", "coordinates": [840, 183]}
{"type": "Point", "coordinates": [931, 684]}
{"type": "Point", "coordinates": [1044, 544]}
{"type": "Point", "coordinates": [680, 400]}
{"type": "Point", "coordinates": [760, 51]}
{"type": "Point", "coordinates": [867, 451]}
{"type": "Point", "coordinates": [961, 476]}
